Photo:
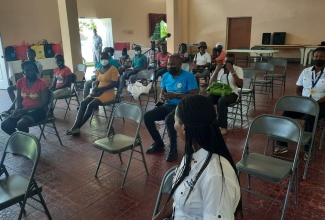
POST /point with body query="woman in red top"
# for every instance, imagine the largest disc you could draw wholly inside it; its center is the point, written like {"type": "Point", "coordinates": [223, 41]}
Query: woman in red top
{"type": "Point", "coordinates": [162, 58]}
{"type": "Point", "coordinates": [31, 102]}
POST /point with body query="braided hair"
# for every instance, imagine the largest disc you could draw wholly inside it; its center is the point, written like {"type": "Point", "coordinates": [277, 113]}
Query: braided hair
{"type": "Point", "coordinates": [198, 116]}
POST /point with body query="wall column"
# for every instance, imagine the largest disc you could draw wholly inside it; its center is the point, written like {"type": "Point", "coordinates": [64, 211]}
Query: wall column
{"type": "Point", "coordinates": [68, 15]}
{"type": "Point", "coordinates": [176, 11]}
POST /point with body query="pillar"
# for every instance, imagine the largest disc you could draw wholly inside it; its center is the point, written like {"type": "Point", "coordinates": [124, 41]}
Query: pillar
{"type": "Point", "coordinates": [68, 15]}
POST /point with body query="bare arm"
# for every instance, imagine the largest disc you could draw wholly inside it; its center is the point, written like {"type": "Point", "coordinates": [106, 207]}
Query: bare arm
{"type": "Point", "coordinates": [213, 78]}
{"type": "Point", "coordinates": [239, 82]}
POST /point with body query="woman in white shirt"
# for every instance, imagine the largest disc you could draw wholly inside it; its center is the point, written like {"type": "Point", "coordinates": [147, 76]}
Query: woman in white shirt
{"type": "Point", "coordinates": [205, 185]}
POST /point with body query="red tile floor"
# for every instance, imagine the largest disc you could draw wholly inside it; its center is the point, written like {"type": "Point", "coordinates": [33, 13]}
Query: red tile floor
{"type": "Point", "coordinates": [72, 192]}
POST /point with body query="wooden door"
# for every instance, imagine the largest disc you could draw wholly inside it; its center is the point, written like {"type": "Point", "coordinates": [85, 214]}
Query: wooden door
{"type": "Point", "coordinates": [239, 33]}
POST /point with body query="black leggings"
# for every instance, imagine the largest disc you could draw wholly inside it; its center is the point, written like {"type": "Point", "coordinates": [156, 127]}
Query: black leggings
{"type": "Point", "coordinates": [85, 110]}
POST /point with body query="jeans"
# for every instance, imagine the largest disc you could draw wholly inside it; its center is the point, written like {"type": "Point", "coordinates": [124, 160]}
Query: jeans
{"type": "Point", "coordinates": [165, 112]}
{"type": "Point", "coordinates": [222, 107]}
{"type": "Point", "coordinates": [61, 92]}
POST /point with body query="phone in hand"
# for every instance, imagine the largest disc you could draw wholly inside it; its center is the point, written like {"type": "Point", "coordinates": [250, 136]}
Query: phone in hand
{"type": "Point", "coordinates": [158, 104]}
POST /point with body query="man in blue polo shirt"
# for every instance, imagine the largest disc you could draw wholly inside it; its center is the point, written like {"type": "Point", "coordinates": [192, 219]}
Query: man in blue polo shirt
{"type": "Point", "coordinates": [176, 84]}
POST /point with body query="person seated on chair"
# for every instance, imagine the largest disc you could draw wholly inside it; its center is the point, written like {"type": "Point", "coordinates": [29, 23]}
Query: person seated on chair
{"type": "Point", "coordinates": [311, 83]}
{"type": "Point", "coordinates": [62, 78]}
{"type": "Point", "coordinates": [125, 61]}
{"type": "Point", "coordinates": [233, 76]}
{"type": "Point", "coordinates": [176, 84]}
{"type": "Point", "coordinates": [202, 61]}
{"type": "Point", "coordinates": [139, 62]}
{"type": "Point", "coordinates": [221, 55]}
{"type": "Point", "coordinates": [31, 57]}
{"type": "Point", "coordinates": [89, 83]}
{"type": "Point", "coordinates": [31, 102]}
{"type": "Point", "coordinates": [182, 52]}
{"type": "Point", "coordinates": [162, 59]}
{"type": "Point", "coordinates": [152, 55]}
{"type": "Point", "coordinates": [107, 80]}
{"type": "Point", "coordinates": [205, 184]}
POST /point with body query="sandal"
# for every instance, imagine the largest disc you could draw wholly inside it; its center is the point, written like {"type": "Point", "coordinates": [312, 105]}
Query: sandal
{"type": "Point", "coordinates": [73, 131]}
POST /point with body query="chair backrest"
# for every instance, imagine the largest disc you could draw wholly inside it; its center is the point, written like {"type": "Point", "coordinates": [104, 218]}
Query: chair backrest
{"type": "Point", "coordinates": [300, 104]}
{"type": "Point", "coordinates": [249, 73]}
{"type": "Point", "coordinates": [165, 187]}
{"type": "Point", "coordinates": [279, 61]}
{"type": "Point", "coordinates": [80, 71]}
{"type": "Point", "coordinates": [146, 74]}
{"type": "Point", "coordinates": [186, 67]}
{"type": "Point", "coordinates": [277, 127]}
{"type": "Point", "coordinates": [128, 110]}
{"type": "Point", "coordinates": [23, 144]}
{"type": "Point", "coordinates": [264, 66]}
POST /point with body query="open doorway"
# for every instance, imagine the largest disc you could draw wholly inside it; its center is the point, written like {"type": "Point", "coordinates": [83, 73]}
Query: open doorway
{"type": "Point", "coordinates": [104, 30]}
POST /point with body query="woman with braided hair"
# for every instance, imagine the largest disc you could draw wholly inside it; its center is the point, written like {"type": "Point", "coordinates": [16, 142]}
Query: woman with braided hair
{"type": "Point", "coordinates": [205, 185]}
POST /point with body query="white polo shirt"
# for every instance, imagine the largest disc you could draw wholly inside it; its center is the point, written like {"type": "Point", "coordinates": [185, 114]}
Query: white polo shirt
{"type": "Point", "coordinates": [202, 59]}
{"type": "Point", "coordinates": [305, 80]}
{"type": "Point", "coordinates": [223, 78]}
{"type": "Point", "coordinates": [213, 197]}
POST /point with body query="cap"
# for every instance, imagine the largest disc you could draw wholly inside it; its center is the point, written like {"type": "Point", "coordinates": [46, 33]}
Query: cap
{"type": "Point", "coordinates": [137, 47]}
{"type": "Point", "coordinates": [203, 44]}
{"type": "Point", "coordinates": [219, 44]}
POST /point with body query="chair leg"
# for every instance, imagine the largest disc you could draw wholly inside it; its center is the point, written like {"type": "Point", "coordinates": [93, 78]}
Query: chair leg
{"type": "Point", "coordinates": [308, 159]}
{"type": "Point", "coordinates": [143, 158]}
{"type": "Point", "coordinates": [248, 181]}
{"type": "Point", "coordinates": [105, 114]}
{"type": "Point", "coordinates": [57, 133]}
{"type": "Point", "coordinates": [47, 212]}
{"type": "Point", "coordinates": [296, 186]}
{"type": "Point", "coordinates": [119, 155]}
{"type": "Point", "coordinates": [68, 108]}
{"type": "Point", "coordinates": [42, 132]}
{"type": "Point", "coordinates": [286, 200]}
{"type": "Point", "coordinates": [128, 166]}
{"type": "Point", "coordinates": [99, 162]}
{"type": "Point", "coordinates": [24, 210]}
{"type": "Point", "coordinates": [322, 137]}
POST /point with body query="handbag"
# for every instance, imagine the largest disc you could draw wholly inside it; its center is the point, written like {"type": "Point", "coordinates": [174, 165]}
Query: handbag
{"type": "Point", "coordinates": [219, 89]}
{"type": "Point", "coordinates": [48, 51]}
{"type": "Point", "coordinates": [21, 51]}
{"type": "Point", "coordinates": [10, 54]}
{"type": "Point", "coordinates": [57, 48]}
{"type": "Point", "coordinates": [39, 50]}
{"type": "Point", "coordinates": [96, 93]}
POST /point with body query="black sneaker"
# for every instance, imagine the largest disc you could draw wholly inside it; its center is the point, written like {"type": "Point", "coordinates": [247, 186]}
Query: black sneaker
{"type": "Point", "coordinates": [172, 155]}
{"type": "Point", "coordinates": [155, 148]}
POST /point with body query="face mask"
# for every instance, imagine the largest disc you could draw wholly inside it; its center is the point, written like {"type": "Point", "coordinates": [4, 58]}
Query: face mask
{"type": "Point", "coordinates": [104, 62]}
{"type": "Point", "coordinates": [137, 52]}
{"type": "Point", "coordinates": [123, 57]}
{"type": "Point", "coordinates": [173, 70]}
{"type": "Point", "coordinates": [319, 63]}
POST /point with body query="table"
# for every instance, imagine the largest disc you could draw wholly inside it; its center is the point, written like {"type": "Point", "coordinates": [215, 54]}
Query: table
{"type": "Point", "coordinates": [289, 47]}
{"type": "Point", "coordinates": [258, 52]}
{"type": "Point", "coordinates": [13, 67]}
{"type": "Point", "coordinates": [308, 53]}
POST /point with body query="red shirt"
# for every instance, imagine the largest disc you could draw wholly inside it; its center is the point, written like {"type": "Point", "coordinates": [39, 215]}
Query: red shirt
{"type": "Point", "coordinates": [61, 75]}
{"type": "Point", "coordinates": [31, 96]}
{"type": "Point", "coordinates": [163, 60]}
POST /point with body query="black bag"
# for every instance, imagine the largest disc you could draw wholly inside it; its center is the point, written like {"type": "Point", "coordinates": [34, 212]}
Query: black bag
{"type": "Point", "coordinates": [10, 54]}
{"type": "Point", "coordinates": [48, 51]}
{"type": "Point", "coordinates": [96, 93]}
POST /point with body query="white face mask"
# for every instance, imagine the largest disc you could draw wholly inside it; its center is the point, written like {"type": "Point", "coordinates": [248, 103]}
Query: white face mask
{"type": "Point", "coordinates": [137, 52]}
{"type": "Point", "coordinates": [104, 62]}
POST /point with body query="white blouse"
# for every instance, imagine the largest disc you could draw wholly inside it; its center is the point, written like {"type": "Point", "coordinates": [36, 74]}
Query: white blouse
{"type": "Point", "coordinates": [223, 78]}
{"type": "Point", "coordinates": [213, 196]}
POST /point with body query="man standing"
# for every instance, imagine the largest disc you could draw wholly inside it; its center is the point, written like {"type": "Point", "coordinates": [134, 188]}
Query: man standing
{"type": "Point", "coordinates": [176, 84]}
{"type": "Point", "coordinates": [311, 83]}
{"type": "Point", "coordinates": [97, 47]}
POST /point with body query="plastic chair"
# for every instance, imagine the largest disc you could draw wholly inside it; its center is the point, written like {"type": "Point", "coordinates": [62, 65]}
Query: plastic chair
{"type": "Point", "coordinates": [112, 103]}
{"type": "Point", "coordinates": [148, 75]}
{"type": "Point", "coordinates": [266, 69]}
{"type": "Point", "coordinates": [69, 97]}
{"type": "Point", "coordinates": [119, 143]}
{"type": "Point", "coordinates": [280, 64]}
{"type": "Point", "coordinates": [248, 92]}
{"type": "Point", "coordinates": [17, 188]}
{"type": "Point", "coordinates": [165, 188]}
{"type": "Point", "coordinates": [304, 105]}
{"type": "Point", "coordinates": [268, 168]}
{"type": "Point", "coordinates": [49, 119]}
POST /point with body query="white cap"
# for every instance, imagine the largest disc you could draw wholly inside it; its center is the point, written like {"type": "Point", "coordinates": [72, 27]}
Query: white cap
{"type": "Point", "coordinates": [219, 43]}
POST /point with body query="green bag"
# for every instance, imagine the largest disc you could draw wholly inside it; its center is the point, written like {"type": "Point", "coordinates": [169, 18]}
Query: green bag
{"type": "Point", "coordinates": [219, 89]}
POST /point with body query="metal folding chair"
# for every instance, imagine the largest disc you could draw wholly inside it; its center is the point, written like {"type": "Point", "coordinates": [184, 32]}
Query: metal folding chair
{"type": "Point", "coordinates": [16, 188]}
{"type": "Point", "coordinates": [264, 167]}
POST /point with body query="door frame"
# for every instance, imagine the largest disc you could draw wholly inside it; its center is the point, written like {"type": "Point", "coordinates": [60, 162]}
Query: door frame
{"type": "Point", "coordinates": [4, 83]}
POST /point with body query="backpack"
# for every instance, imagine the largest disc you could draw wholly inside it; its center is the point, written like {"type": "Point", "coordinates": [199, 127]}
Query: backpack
{"type": "Point", "coordinates": [10, 54]}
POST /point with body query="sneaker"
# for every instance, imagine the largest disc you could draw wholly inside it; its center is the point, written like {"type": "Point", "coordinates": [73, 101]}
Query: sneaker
{"type": "Point", "coordinates": [280, 150]}
{"type": "Point", "coordinates": [73, 131]}
{"type": "Point", "coordinates": [223, 131]}
{"type": "Point", "coordinates": [155, 148]}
